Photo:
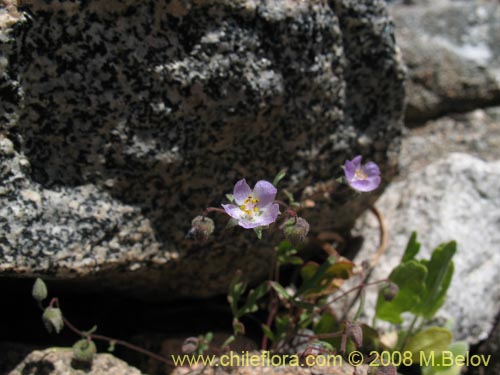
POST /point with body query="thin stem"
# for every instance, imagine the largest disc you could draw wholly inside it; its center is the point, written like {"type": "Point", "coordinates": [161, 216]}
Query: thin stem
{"type": "Point", "coordinates": [213, 209]}
{"type": "Point", "coordinates": [273, 298]}
{"type": "Point", "coordinates": [380, 251]}
{"type": "Point", "coordinates": [281, 203]}
{"type": "Point", "coordinates": [361, 307]}
{"type": "Point", "coordinates": [325, 306]}
{"type": "Point", "coordinates": [384, 236]}
{"type": "Point", "coordinates": [409, 332]}
{"type": "Point", "coordinates": [55, 301]}
{"type": "Point", "coordinates": [273, 309]}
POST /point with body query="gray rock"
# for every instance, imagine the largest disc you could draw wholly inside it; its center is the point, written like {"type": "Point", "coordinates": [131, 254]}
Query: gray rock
{"type": "Point", "coordinates": [456, 198]}
{"type": "Point", "coordinates": [58, 361]}
{"type": "Point", "coordinates": [452, 50]}
{"type": "Point", "coordinates": [124, 119]}
{"type": "Point", "coordinates": [475, 133]}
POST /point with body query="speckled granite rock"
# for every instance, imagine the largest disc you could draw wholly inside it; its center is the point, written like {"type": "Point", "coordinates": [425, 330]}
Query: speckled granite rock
{"type": "Point", "coordinates": [58, 361]}
{"type": "Point", "coordinates": [455, 198]}
{"type": "Point", "coordinates": [122, 119]}
{"type": "Point", "coordinates": [452, 49]}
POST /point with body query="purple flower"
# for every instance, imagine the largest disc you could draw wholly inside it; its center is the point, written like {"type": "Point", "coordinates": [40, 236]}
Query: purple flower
{"type": "Point", "coordinates": [254, 208]}
{"type": "Point", "coordinates": [362, 177]}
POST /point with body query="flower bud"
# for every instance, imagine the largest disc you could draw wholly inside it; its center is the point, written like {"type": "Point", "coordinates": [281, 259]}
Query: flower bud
{"type": "Point", "coordinates": [390, 291]}
{"type": "Point", "coordinates": [190, 345]}
{"type": "Point", "coordinates": [354, 332]}
{"type": "Point", "coordinates": [84, 350]}
{"type": "Point", "coordinates": [39, 291]}
{"type": "Point", "coordinates": [295, 230]}
{"type": "Point", "coordinates": [53, 320]}
{"type": "Point", "coordinates": [201, 228]}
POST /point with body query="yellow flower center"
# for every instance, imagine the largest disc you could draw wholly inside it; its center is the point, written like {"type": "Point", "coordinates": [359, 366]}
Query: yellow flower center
{"type": "Point", "coordinates": [249, 205]}
{"type": "Point", "coordinates": [360, 175]}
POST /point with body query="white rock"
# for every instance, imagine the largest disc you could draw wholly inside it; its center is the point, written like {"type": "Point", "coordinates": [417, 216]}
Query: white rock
{"type": "Point", "coordinates": [456, 198]}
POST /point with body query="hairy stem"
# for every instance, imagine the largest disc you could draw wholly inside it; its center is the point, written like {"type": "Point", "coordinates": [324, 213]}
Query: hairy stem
{"type": "Point", "coordinates": [55, 302]}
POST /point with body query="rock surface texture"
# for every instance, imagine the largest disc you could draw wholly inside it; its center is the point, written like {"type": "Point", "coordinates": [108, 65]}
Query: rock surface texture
{"type": "Point", "coordinates": [452, 50]}
{"type": "Point", "coordinates": [343, 369]}
{"type": "Point", "coordinates": [456, 198]}
{"type": "Point", "coordinates": [476, 133]}
{"type": "Point", "coordinates": [121, 120]}
{"type": "Point", "coordinates": [58, 361]}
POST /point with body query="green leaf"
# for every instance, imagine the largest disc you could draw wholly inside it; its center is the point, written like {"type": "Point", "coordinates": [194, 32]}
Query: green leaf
{"type": "Point", "coordinates": [279, 177]}
{"type": "Point", "coordinates": [258, 232]}
{"type": "Point", "coordinates": [305, 305]}
{"type": "Point", "coordinates": [267, 331]}
{"type": "Point", "coordinates": [371, 337]}
{"type": "Point", "coordinates": [326, 324]}
{"type": "Point", "coordinates": [318, 281]}
{"type": "Point", "coordinates": [306, 319]}
{"type": "Point", "coordinates": [412, 248]}
{"type": "Point", "coordinates": [295, 261]}
{"type": "Point", "coordinates": [410, 278]}
{"type": "Point", "coordinates": [230, 197]}
{"type": "Point", "coordinates": [459, 348]}
{"type": "Point", "coordinates": [111, 347]}
{"type": "Point", "coordinates": [236, 290]}
{"type": "Point", "coordinates": [440, 272]}
{"type": "Point", "coordinates": [286, 254]}
{"type": "Point", "coordinates": [253, 296]}
{"type": "Point", "coordinates": [238, 327]}
{"type": "Point", "coordinates": [90, 331]}
{"type": "Point", "coordinates": [283, 326]}
{"type": "Point", "coordinates": [313, 276]}
{"type": "Point", "coordinates": [289, 196]}
{"type": "Point", "coordinates": [280, 290]}
{"type": "Point", "coordinates": [432, 340]}
{"type": "Point", "coordinates": [228, 341]}
{"type": "Point", "coordinates": [231, 223]}
{"type": "Point", "coordinates": [441, 367]}
{"type": "Point", "coordinates": [209, 336]}
{"type": "Point", "coordinates": [326, 346]}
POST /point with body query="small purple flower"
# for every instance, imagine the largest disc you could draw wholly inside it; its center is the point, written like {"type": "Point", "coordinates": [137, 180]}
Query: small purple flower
{"type": "Point", "coordinates": [254, 208]}
{"type": "Point", "coordinates": [362, 177]}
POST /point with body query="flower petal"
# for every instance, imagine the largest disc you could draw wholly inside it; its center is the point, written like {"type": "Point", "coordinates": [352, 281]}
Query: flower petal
{"type": "Point", "coordinates": [371, 169]}
{"type": "Point", "coordinates": [367, 185]}
{"type": "Point", "coordinates": [265, 192]}
{"type": "Point", "coordinates": [248, 224]}
{"type": "Point", "coordinates": [232, 210]}
{"type": "Point", "coordinates": [241, 191]}
{"type": "Point", "coordinates": [349, 170]}
{"type": "Point", "coordinates": [374, 182]}
{"type": "Point", "coordinates": [269, 215]}
{"type": "Point", "coordinates": [357, 161]}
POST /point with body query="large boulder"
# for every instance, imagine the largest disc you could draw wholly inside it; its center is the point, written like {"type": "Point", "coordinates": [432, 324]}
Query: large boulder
{"type": "Point", "coordinates": [476, 133]}
{"type": "Point", "coordinates": [124, 119]}
{"type": "Point", "coordinates": [452, 50]}
{"type": "Point", "coordinates": [455, 198]}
